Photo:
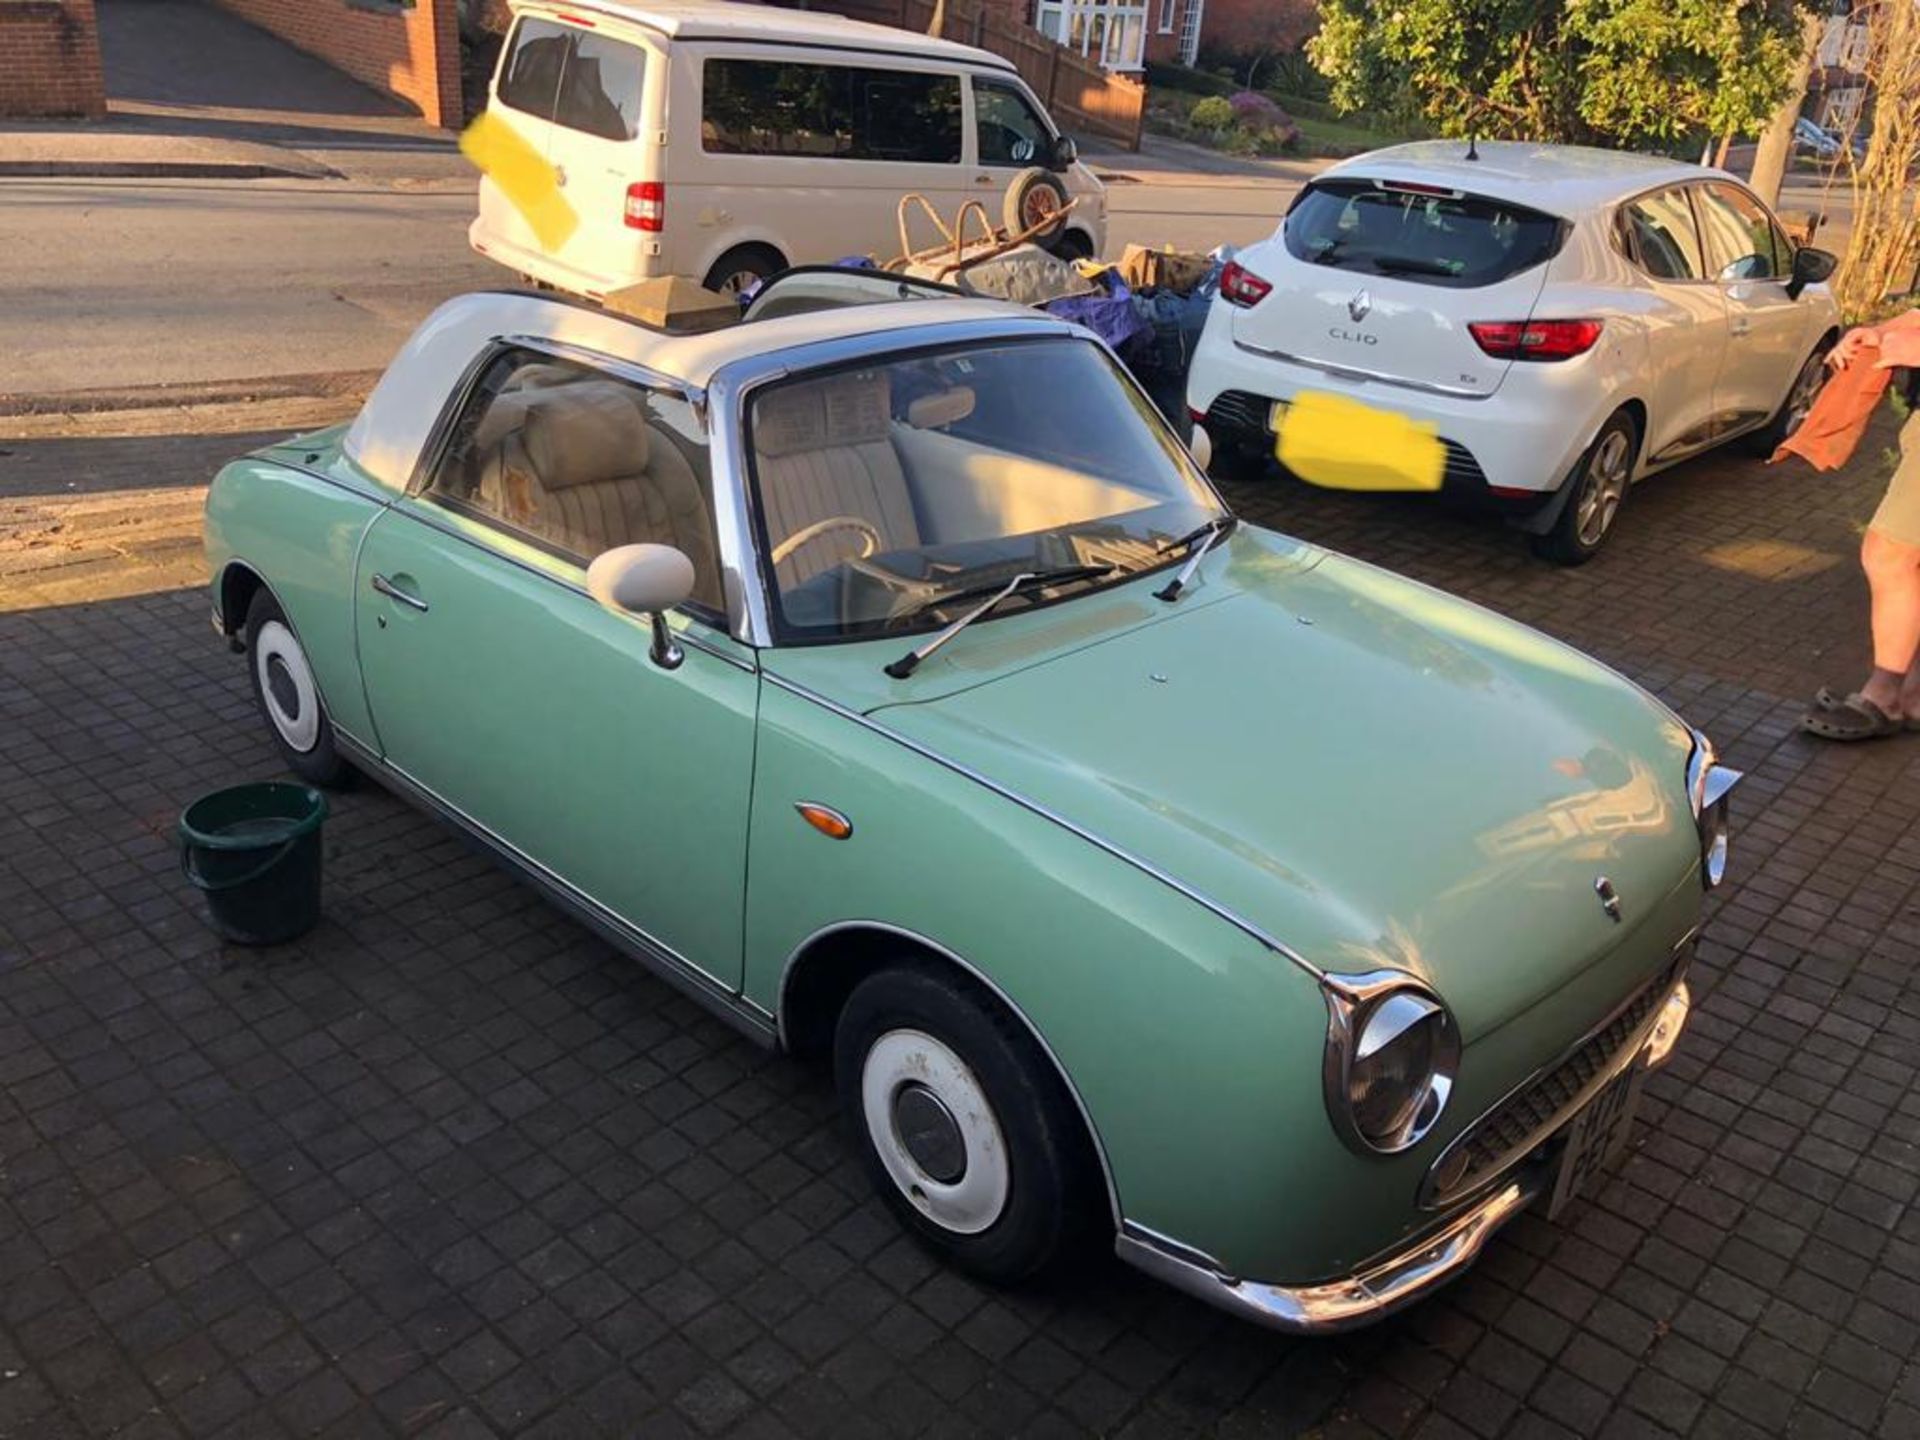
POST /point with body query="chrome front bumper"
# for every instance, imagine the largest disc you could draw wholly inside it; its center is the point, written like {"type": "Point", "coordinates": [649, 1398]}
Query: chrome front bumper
{"type": "Point", "coordinates": [1388, 1282]}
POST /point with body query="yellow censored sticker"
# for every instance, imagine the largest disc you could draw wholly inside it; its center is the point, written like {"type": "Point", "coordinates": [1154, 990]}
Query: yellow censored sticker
{"type": "Point", "coordinates": [1342, 444]}
{"type": "Point", "coordinates": [524, 176]}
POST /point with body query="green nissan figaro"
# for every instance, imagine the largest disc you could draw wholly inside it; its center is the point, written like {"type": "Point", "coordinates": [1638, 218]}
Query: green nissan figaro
{"type": "Point", "coordinates": [890, 677]}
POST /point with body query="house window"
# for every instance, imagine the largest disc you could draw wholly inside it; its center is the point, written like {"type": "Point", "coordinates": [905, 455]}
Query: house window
{"type": "Point", "coordinates": [1114, 34]}
{"type": "Point", "coordinates": [1169, 9]}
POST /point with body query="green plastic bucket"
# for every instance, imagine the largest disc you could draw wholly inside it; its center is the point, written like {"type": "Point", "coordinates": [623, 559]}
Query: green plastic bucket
{"type": "Point", "coordinates": [254, 852]}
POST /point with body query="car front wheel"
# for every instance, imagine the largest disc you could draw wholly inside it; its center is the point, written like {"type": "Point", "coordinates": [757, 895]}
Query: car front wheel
{"type": "Point", "coordinates": [1793, 410]}
{"type": "Point", "coordinates": [1600, 485]}
{"type": "Point", "coordinates": [961, 1121]}
{"type": "Point", "coordinates": [289, 697]}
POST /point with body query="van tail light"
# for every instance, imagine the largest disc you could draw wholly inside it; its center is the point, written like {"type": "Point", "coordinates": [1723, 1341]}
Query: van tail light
{"type": "Point", "coordinates": [1535, 339]}
{"type": "Point", "coordinates": [1240, 286]}
{"type": "Point", "coordinates": [647, 206]}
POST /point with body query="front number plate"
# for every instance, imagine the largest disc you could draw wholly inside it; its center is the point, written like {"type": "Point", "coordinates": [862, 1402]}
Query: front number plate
{"type": "Point", "coordinates": [1597, 1134]}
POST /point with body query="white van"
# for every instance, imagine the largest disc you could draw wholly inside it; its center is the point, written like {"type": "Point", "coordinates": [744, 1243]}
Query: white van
{"type": "Point", "coordinates": [728, 141]}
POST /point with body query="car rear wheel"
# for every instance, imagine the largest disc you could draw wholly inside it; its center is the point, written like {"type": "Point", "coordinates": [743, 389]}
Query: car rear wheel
{"type": "Point", "coordinates": [289, 697]}
{"type": "Point", "coordinates": [1806, 387]}
{"type": "Point", "coordinates": [742, 267]}
{"type": "Point", "coordinates": [1600, 485]}
{"type": "Point", "coordinates": [962, 1122]}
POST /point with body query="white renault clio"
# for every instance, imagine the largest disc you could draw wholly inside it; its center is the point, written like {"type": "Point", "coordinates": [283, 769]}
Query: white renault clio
{"type": "Point", "coordinates": [1568, 320]}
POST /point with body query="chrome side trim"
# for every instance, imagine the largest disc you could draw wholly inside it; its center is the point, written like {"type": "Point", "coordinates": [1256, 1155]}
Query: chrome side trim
{"type": "Point", "coordinates": [1127, 857]}
{"type": "Point", "coordinates": [1354, 372]}
{"type": "Point", "coordinates": [1378, 1288]}
{"type": "Point", "coordinates": [1079, 1104]}
{"type": "Point", "coordinates": [622, 934]}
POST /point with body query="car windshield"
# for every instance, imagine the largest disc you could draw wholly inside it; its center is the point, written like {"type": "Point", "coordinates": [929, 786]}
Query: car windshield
{"type": "Point", "coordinates": [1417, 232]}
{"type": "Point", "coordinates": [891, 493]}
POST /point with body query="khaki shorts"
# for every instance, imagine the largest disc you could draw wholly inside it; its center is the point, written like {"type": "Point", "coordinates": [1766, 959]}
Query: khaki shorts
{"type": "Point", "coordinates": [1898, 517]}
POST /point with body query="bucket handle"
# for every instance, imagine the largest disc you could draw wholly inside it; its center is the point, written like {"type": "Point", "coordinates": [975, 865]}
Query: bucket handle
{"type": "Point", "coordinates": [201, 882]}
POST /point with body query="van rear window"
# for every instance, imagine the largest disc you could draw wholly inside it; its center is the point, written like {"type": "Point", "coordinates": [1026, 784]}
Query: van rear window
{"type": "Point", "coordinates": [585, 82]}
{"type": "Point", "coordinates": [840, 112]}
{"type": "Point", "coordinates": [1414, 234]}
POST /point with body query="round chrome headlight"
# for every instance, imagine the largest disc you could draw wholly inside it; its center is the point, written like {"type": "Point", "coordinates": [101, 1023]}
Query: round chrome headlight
{"type": "Point", "coordinates": [1392, 1051]}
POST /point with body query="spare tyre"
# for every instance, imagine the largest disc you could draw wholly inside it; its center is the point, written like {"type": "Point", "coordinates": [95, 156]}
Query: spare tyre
{"type": "Point", "coordinates": [1035, 196]}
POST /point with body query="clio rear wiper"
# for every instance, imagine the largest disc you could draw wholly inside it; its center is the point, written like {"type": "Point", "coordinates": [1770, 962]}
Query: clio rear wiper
{"type": "Point", "coordinates": [995, 593]}
{"type": "Point", "coordinates": [1413, 265]}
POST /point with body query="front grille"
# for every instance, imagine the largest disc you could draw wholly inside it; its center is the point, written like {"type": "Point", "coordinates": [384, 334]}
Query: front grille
{"type": "Point", "coordinates": [1530, 1114]}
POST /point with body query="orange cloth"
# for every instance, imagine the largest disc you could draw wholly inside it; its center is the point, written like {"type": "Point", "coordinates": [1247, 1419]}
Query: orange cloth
{"type": "Point", "coordinates": [1831, 432]}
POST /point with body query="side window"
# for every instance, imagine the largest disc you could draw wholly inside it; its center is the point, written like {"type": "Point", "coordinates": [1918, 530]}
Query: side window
{"type": "Point", "coordinates": [844, 112]}
{"type": "Point", "coordinates": [600, 93]}
{"type": "Point", "coordinates": [531, 80]}
{"type": "Point", "coordinates": [1006, 129]}
{"type": "Point", "coordinates": [1740, 236]}
{"type": "Point", "coordinates": [578, 462]}
{"type": "Point", "coordinates": [1660, 232]}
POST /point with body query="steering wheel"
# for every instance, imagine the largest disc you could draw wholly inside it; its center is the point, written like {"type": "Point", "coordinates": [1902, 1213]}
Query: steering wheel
{"type": "Point", "coordinates": [826, 527]}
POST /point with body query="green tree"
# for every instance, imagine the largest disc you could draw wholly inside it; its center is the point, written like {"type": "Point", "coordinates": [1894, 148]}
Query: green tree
{"type": "Point", "coordinates": [1622, 72]}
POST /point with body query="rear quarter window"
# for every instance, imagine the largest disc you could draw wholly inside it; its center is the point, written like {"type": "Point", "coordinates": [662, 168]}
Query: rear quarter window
{"type": "Point", "coordinates": [1446, 239]}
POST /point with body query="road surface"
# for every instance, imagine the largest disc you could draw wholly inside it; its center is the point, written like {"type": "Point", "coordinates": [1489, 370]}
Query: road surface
{"type": "Point", "coordinates": [120, 283]}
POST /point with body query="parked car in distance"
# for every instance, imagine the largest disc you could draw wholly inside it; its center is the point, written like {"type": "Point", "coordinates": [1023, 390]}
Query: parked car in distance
{"type": "Point", "coordinates": [960, 741]}
{"type": "Point", "coordinates": [1568, 320]}
{"type": "Point", "coordinates": [726, 141]}
{"type": "Point", "coordinates": [1823, 144]}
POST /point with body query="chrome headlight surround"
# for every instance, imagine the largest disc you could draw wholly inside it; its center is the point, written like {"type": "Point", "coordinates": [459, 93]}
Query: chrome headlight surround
{"type": "Point", "coordinates": [1376, 1022]}
{"type": "Point", "coordinates": [1708, 785]}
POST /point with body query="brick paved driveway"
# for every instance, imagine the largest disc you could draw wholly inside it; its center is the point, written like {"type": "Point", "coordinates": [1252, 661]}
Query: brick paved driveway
{"type": "Point", "coordinates": [449, 1167]}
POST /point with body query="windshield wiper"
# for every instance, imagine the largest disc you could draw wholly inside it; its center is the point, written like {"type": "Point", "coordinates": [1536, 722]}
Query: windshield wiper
{"type": "Point", "coordinates": [1209, 533]}
{"type": "Point", "coordinates": [1029, 580]}
{"type": "Point", "coordinates": [1324, 255]}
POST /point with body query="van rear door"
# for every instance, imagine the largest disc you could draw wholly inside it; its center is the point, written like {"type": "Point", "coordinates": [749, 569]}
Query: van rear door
{"type": "Point", "coordinates": [600, 160]}
{"type": "Point", "coordinates": [524, 90]}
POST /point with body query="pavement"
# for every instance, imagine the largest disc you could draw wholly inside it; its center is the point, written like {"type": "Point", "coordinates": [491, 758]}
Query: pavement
{"type": "Point", "coordinates": [448, 1166]}
{"type": "Point", "coordinates": [194, 92]}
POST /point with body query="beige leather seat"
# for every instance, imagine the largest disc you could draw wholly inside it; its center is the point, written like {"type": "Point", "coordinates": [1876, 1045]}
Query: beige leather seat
{"type": "Point", "coordinates": [823, 449]}
{"type": "Point", "coordinates": [580, 465]}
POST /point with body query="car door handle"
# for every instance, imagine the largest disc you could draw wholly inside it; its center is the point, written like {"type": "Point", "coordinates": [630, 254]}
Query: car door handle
{"type": "Point", "coordinates": [983, 179]}
{"type": "Point", "coordinates": [1741, 327]}
{"type": "Point", "coordinates": [393, 592]}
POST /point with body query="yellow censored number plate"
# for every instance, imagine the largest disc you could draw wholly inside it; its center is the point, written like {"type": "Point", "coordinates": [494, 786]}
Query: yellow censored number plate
{"type": "Point", "coordinates": [1341, 444]}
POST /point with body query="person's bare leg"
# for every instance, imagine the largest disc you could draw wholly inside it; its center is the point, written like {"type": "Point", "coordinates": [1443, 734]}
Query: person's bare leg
{"type": "Point", "coordinates": [1893, 580]}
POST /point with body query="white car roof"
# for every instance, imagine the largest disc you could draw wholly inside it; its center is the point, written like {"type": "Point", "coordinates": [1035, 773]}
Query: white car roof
{"type": "Point", "coordinates": [393, 427]}
{"type": "Point", "coordinates": [1559, 179]}
{"type": "Point", "coordinates": [721, 20]}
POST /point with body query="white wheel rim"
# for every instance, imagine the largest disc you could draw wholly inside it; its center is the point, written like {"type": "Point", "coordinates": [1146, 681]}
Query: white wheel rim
{"type": "Point", "coordinates": [287, 691]}
{"type": "Point", "coordinates": [911, 1063]}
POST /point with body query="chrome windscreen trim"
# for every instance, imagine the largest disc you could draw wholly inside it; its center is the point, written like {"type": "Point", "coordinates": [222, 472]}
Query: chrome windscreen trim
{"type": "Point", "coordinates": [1034, 807]}
{"type": "Point", "coordinates": [1354, 372]}
{"type": "Point", "coordinates": [1383, 1285]}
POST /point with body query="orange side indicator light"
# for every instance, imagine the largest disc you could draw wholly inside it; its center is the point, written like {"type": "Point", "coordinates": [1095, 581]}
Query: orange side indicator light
{"type": "Point", "coordinates": [828, 821]}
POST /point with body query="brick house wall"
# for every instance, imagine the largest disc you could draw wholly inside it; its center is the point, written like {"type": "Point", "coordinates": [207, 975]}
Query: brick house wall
{"type": "Point", "coordinates": [409, 50]}
{"type": "Point", "coordinates": [50, 59]}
